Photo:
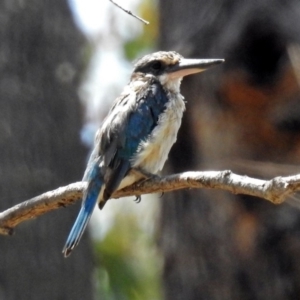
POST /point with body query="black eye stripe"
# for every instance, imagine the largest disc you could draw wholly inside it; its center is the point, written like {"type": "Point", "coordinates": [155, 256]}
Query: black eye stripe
{"type": "Point", "coordinates": [156, 65]}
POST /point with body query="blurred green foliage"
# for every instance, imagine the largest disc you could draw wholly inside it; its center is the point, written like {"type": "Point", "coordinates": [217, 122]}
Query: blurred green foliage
{"type": "Point", "coordinates": [128, 262]}
{"type": "Point", "coordinates": [147, 39]}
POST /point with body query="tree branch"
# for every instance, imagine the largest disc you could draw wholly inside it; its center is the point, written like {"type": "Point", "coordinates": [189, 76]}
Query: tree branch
{"type": "Point", "coordinates": [275, 190]}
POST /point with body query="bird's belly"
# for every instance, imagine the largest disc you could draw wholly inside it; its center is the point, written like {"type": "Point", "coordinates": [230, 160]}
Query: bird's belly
{"type": "Point", "coordinates": [153, 153]}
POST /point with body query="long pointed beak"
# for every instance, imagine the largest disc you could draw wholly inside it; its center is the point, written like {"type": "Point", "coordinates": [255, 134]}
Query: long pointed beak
{"type": "Point", "coordinates": [190, 66]}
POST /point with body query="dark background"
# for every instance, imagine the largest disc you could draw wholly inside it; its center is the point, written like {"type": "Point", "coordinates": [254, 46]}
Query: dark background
{"type": "Point", "coordinates": [40, 119]}
{"type": "Point", "coordinates": [242, 116]}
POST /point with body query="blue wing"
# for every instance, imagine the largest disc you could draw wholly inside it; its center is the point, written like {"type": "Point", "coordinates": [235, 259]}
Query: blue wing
{"type": "Point", "coordinates": [130, 127]}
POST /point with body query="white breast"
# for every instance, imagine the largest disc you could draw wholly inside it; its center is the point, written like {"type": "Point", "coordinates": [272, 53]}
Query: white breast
{"type": "Point", "coordinates": [153, 153]}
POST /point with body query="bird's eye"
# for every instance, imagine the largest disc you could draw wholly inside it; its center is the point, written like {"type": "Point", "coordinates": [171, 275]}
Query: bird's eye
{"type": "Point", "coordinates": [156, 65]}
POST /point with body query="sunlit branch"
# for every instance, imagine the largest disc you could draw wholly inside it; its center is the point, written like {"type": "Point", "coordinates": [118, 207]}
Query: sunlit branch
{"type": "Point", "coordinates": [275, 190]}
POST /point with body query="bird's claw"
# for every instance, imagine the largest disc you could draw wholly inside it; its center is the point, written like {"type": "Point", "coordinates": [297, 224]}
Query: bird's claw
{"type": "Point", "coordinates": [138, 199]}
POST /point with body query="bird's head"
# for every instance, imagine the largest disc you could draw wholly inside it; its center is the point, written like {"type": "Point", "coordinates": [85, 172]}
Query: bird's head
{"type": "Point", "coordinates": [170, 67]}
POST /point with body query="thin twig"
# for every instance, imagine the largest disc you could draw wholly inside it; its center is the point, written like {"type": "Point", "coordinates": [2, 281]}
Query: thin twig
{"type": "Point", "coordinates": [129, 12]}
{"type": "Point", "coordinates": [276, 190]}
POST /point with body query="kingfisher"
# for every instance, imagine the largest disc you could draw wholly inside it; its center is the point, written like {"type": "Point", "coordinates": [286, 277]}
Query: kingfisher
{"type": "Point", "coordinates": [135, 138]}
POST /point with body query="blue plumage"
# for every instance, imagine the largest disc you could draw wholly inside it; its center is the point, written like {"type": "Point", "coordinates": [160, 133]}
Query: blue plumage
{"type": "Point", "coordinates": [138, 133]}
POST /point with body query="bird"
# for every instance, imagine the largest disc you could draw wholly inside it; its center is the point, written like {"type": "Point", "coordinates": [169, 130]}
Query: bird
{"type": "Point", "coordinates": [135, 138]}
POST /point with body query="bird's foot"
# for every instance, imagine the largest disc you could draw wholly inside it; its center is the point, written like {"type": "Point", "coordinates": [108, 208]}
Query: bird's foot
{"type": "Point", "coordinates": [147, 176]}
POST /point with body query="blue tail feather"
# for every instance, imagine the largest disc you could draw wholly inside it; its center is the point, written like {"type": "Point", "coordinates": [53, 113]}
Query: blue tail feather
{"type": "Point", "coordinates": [87, 208]}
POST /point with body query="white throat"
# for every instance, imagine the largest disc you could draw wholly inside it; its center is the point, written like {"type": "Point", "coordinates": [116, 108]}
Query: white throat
{"type": "Point", "coordinates": [170, 83]}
